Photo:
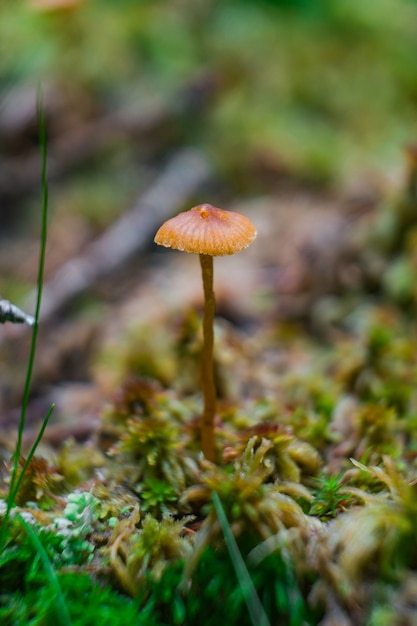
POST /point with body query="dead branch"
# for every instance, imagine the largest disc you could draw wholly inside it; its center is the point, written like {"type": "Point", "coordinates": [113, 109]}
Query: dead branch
{"type": "Point", "coordinates": [187, 171]}
{"type": "Point", "coordinates": [11, 313]}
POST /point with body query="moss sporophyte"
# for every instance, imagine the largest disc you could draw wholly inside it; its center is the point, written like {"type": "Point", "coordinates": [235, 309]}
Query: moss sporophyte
{"type": "Point", "coordinates": [207, 231]}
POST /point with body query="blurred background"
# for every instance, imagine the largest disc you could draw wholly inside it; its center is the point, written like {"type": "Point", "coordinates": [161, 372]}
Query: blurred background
{"type": "Point", "coordinates": [300, 113]}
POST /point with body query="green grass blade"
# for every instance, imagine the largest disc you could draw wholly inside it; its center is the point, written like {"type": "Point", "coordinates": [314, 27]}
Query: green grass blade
{"type": "Point", "coordinates": [41, 268]}
{"type": "Point", "coordinates": [255, 608]}
{"type": "Point", "coordinates": [62, 615]}
{"type": "Point", "coordinates": [31, 360]}
{"type": "Point", "coordinates": [32, 451]}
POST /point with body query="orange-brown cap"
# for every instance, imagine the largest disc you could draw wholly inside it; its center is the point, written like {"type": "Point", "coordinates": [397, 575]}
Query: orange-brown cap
{"type": "Point", "coordinates": [205, 229]}
{"type": "Point", "coordinates": [54, 6]}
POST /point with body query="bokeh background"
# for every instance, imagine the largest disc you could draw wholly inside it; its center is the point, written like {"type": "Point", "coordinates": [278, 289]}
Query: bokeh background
{"type": "Point", "coordinates": [296, 112]}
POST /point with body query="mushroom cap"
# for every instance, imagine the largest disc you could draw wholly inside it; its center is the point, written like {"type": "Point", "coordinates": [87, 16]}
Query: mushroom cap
{"type": "Point", "coordinates": [54, 6]}
{"type": "Point", "coordinates": [205, 229]}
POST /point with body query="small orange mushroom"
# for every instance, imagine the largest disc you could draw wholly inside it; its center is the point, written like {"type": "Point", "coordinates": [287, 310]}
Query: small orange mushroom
{"type": "Point", "coordinates": [207, 231]}
{"type": "Point", "coordinates": [54, 6]}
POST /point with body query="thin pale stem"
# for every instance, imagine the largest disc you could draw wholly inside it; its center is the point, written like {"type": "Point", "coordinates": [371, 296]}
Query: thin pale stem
{"type": "Point", "coordinates": [207, 367]}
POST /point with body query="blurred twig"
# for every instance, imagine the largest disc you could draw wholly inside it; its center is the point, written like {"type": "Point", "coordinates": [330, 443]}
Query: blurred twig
{"type": "Point", "coordinates": [11, 313]}
{"type": "Point", "coordinates": [187, 171]}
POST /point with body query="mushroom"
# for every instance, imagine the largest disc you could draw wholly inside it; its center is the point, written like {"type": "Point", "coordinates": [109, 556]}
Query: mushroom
{"type": "Point", "coordinates": [207, 231]}
{"type": "Point", "coordinates": [54, 6]}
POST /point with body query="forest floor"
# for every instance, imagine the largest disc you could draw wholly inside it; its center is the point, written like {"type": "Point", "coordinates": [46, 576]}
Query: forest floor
{"type": "Point", "coordinates": [119, 518]}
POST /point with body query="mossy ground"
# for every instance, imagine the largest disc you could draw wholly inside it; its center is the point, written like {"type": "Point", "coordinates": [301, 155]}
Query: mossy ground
{"type": "Point", "coordinates": [316, 367]}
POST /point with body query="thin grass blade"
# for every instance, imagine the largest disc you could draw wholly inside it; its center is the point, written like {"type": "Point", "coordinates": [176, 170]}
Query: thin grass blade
{"type": "Point", "coordinates": [255, 608]}
{"type": "Point", "coordinates": [26, 393]}
{"type": "Point", "coordinates": [62, 615]}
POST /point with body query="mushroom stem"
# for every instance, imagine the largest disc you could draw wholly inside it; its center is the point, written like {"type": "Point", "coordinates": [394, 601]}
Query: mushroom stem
{"type": "Point", "coordinates": [207, 367]}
